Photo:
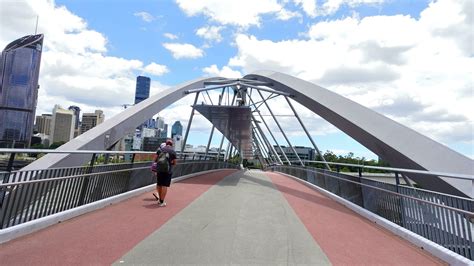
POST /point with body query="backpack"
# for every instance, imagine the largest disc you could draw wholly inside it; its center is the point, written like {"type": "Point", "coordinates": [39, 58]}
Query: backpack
{"type": "Point", "coordinates": [162, 163]}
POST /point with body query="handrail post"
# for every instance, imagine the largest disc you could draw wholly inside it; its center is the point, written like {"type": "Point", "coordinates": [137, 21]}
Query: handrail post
{"type": "Point", "coordinates": [10, 162]}
{"type": "Point", "coordinates": [397, 180]}
{"type": "Point", "coordinates": [86, 181]}
{"type": "Point", "coordinates": [106, 158]}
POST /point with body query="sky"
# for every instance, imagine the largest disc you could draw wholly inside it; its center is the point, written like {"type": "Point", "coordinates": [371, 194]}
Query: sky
{"type": "Point", "coordinates": [411, 61]}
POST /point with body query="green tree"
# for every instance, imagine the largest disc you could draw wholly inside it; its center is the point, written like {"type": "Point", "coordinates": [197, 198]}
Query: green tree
{"type": "Point", "coordinates": [38, 146]}
{"type": "Point", "coordinates": [56, 144]}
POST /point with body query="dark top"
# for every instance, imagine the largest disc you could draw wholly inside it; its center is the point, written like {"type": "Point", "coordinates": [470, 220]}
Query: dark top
{"type": "Point", "coordinates": [172, 156]}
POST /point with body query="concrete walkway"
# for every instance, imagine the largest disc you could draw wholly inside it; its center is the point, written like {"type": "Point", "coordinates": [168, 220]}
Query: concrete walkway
{"type": "Point", "coordinates": [225, 217]}
{"type": "Point", "coordinates": [243, 219]}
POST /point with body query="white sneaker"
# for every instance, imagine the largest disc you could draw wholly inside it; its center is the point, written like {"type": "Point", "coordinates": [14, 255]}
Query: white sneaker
{"type": "Point", "coordinates": [163, 204]}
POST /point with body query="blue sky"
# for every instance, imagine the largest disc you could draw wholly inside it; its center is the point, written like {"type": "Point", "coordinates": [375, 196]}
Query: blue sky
{"type": "Point", "coordinates": [130, 36]}
{"type": "Point", "coordinates": [409, 60]}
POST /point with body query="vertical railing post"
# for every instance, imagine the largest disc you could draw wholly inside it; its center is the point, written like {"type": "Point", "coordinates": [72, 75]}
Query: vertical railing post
{"type": "Point", "coordinates": [400, 200]}
{"type": "Point", "coordinates": [10, 162]}
{"type": "Point", "coordinates": [397, 180]}
{"type": "Point", "coordinates": [6, 179]}
{"type": "Point", "coordinates": [86, 181]}
{"type": "Point", "coordinates": [106, 158]}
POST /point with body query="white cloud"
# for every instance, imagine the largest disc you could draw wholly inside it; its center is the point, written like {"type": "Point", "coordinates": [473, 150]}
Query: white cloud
{"type": "Point", "coordinates": [373, 59]}
{"type": "Point", "coordinates": [183, 50]}
{"type": "Point", "coordinates": [242, 13]}
{"type": "Point", "coordinates": [225, 72]}
{"type": "Point", "coordinates": [145, 16]}
{"type": "Point", "coordinates": [156, 69]}
{"type": "Point", "coordinates": [246, 13]}
{"type": "Point", "coordinates": [285, 14]}
{"type": "Point", "coordinates": [308, 6]}
{"type": "Point", "coordinates": [75, 68]}
{"type": "Point", "coordinates": [210, 33]}
{"type": "Point", "coordinates": [170, 36]}
{"type": "Point", "coordinates": [332, 6]}
{"type": "Point", "coordinates": [457, 23]}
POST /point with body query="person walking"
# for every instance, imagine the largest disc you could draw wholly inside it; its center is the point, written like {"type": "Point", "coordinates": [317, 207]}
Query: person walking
{"type": "Point", "coordinates": [165, 160]}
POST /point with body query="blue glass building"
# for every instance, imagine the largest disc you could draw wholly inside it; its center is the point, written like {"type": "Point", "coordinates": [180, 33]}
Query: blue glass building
{"type": "Point", "coordinates": [142, 91]}
{"type": "Point", "coordinates": [19, 70]}
{"type": "Point", "coordinates": [164, 131]}
{"type": "Point", "coordinates": [176, 129]}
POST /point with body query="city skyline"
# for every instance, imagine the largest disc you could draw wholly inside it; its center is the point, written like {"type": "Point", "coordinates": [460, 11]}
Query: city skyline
{"type": "Point", "coordinates": [391, 56]}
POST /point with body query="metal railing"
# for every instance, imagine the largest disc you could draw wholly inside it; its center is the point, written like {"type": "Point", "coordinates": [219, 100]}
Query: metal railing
{"type": "Point", "coordinates": [32, 194]}
{"type": "Point", "coordinates": [444, 219]}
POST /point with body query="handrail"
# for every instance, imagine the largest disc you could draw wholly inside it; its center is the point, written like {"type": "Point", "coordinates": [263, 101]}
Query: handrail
{"type": "Point", "coordinates": [72, 151]}
{"type": "Point", "coordinates": [109, 164]}
{"type": "Point", "coordinates": [401, 170]}
{"type": "Point", "coordinates": [4, 150]}
{"type": "Point", "coordinates": [392, 169]}
{"type": "Point", "coordinates": [89, 174]}
{"type": "Point", "coordinates": [470, 214]}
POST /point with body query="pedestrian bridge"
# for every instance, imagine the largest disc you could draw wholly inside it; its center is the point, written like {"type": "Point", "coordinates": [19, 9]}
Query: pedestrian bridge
{"type": "Point", "coordinates": [220, 214]}
{"type": "Point", "coordinates": [220, 217]}
{"type": "Point", "coordinates": [85, 203]}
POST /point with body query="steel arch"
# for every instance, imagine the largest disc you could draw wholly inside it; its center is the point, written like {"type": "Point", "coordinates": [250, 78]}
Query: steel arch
{"type": "Point", "coordinates": [104, 135]}
{"type": "Point", "coordinates": [399, 145]}
{"type": "Point", "coordinates": [395, 143]}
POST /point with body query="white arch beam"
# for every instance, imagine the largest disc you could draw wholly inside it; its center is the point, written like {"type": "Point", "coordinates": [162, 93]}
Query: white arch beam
{"type": "Point", "coordinates": [104, 135]}
{"type": "Point", "coordinates": [400, 146]}
{"type": "Point", "coordinates": [397, 144]}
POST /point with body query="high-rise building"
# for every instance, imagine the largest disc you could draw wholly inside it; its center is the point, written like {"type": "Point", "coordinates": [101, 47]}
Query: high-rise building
{"type": "Point", "coordinates": [176, 129]}
{"type": "Point", "coordinates": [62, 125]}
{"type": "Point", "coordinates": [43, 124]}
{"type": "Point", "coordinates": [19, 69]}
{"type": "Point", "coordinates": [77, 125]}
{"type": "Point", "coordinates": [148, 133]}
{"type": "Point", "coordinates": [90, 120]}
{"type": "Point", "coordinates": [150, 123]}
{"type": "Point", "coordinates": [177, 142]}
{"type": "Point", "coordinates": [164, 131]}
{"type": "Point", "coordinates": [142, 90]}
{"type": "Point", "coordinates": [159, 123]}
{"type": "Point", "coordinates": [77, 112]}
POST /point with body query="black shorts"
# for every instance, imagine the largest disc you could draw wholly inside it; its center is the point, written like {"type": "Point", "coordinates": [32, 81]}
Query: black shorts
{"type": "Point", "coordinates": [163, 179]}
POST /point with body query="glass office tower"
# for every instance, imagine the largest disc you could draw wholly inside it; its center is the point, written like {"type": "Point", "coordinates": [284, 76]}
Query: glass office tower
{"type": "Point", "coordinates": [19, 70]}
{"type": "Point", "coordinates": [176, 129]}
{"type": "Point", "coordinates": [142, 91]}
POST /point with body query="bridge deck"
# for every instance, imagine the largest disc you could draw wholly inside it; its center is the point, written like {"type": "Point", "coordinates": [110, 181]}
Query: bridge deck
{"type": "Point", "coordinates": [226, 217]}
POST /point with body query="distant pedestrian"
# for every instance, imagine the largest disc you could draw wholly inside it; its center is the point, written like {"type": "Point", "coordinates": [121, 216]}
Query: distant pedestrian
{"type": "Point", "coordinates": [165, 160]}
